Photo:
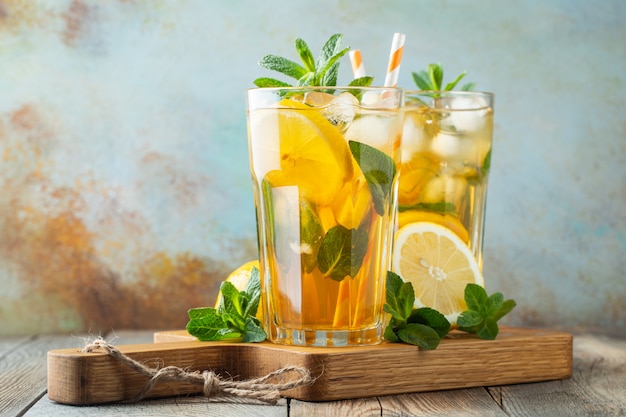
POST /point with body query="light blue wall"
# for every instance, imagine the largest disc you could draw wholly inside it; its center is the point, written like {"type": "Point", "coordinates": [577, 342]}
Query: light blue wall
{"type": "Point", "coordinates": [136, 109]}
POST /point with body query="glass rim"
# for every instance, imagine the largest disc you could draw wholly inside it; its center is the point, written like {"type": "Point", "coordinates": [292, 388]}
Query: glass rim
{"type": "Point", "coordinates": [327, 87]}
{"type": "Point", "coordinates": [448, 92]}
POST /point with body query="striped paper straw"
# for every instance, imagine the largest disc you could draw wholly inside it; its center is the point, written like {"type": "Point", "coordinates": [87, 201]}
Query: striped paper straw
{"type": "Point", "coordinates": [395, 57]}
{"type": "Point", "coordinates": [358, 69]}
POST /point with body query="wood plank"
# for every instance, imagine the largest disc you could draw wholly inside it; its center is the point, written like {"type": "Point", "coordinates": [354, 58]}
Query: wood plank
{"type": "Point", "coordinates": [466, 402]}
{"type": "Point", "coordinates": [179, 406]}
{"type": "Point", "coordinates": [23, 371]}
{"type": "Point", "coordinates": [461, 361]}
{"type": "Point", "coordinates": [353, 408]}
{"type": "Point", "coordinates": [597, 385]}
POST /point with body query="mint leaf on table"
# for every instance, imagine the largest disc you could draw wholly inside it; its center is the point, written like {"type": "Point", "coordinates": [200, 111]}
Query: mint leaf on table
{"type": "Point", "coordinates": [423, 327]}
{"type": "Point", "coordinates": [483, 312]}
{"type": "Point", "coordinates": [320, 72]}
{"type": "Point", "coordinates": [234, 319]}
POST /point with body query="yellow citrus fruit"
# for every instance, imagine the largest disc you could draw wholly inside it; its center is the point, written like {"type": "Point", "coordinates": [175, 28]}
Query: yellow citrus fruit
{"type": "Point", "coordinates": [447, 220]}
{"type": "Point", "coordinates": [239, 278]}
{"type": "Point", "coordinates": [313, 154]}
{"type": "Point", "coordinates": [414, 175]}
{"type": "Point", "coordinates": [353, 201]}
{"type": "Point", "coordinates": [438, 264]}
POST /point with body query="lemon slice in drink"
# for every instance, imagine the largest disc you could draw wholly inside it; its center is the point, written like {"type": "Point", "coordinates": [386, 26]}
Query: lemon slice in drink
{"type": "Point", "coordinates": [313, 154]}
{"type": "Point", "coordinates": [438, 264]}
{"type": "Point", "coordinates": [447, 220]}
{"type": "Point", "coordinates": [239, 277]}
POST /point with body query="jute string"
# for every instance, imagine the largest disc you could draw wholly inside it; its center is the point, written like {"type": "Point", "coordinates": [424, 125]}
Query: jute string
{"type": "Point", "coordinates": [260, 389]}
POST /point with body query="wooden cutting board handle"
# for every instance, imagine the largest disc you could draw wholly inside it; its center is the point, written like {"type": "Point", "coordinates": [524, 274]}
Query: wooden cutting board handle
{"type": "Point", "coordinates": [461, 361]}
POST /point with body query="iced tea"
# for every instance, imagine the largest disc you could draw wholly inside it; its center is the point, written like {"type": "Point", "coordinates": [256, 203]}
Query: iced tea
{"type": "Point", "coordinates": [324, 164]}
{"type": "Point", "coordinates": [446, 155]}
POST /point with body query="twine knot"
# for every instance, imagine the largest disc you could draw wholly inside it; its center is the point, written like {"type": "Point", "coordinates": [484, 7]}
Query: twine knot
{"type": "Point", "coordinates": [261, 389]}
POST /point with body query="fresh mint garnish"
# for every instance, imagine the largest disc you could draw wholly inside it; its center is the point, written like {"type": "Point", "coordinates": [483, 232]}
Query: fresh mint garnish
{"type": "Point", "coordinates": [432, 79]}
{"type": "Point", "coordinates": [234, 319]}
{"type": "Point", "coordinates": [483, 312]}
{"type": "Point", "coordinates": [342, 251]}
{"type": "Point", "coordinates": [423, 327]}
{"type": "Point", "coordinates": [379, 170]}
{"type": "Point", "coordinates": [322, 72]}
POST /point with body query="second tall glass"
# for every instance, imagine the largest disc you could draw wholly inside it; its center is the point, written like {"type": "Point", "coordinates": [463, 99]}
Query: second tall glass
{"type": "Point", "coordinates": [446, 157]}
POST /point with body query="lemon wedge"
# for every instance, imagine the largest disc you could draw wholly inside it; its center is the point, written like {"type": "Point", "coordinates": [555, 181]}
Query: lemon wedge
{"type": "Point", "coordinates": [239, 277]}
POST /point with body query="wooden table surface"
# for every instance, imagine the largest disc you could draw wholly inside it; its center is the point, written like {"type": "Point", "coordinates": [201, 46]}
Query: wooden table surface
{"type": "Point", "coordinates": [597, 387]}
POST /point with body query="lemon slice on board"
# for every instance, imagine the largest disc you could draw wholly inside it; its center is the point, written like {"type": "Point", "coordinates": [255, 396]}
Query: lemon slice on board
{"type": "Point", "coordinates": [239, 277]}
{"type": "Point", "coordinates": [438, 264]}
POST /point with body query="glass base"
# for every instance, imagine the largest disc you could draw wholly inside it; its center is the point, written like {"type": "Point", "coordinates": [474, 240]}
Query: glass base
{"type": "Point", "coordinates": [327, 338]}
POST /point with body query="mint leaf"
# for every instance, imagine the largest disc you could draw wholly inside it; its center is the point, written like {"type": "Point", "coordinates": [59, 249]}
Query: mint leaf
{"type": "Point", "coordinates": [431, 318]}
{"type": "Point", "coordinates": [330, 49]}
{"type": "Point", "coordinates": [422, 81]}
{"type": "Point", "coordinates": [235, 318]}
{"type": "Point", "coordinates": [419, 335]}
{"type": "Point", "coordinates": [379, 170]}
{"type": "Point", "coordinates": [283, 65]}
{"type": "Point", "coordinates": [252, 294]}
{"type": "Point", "coordinates": [322, 72]}
{"type": "Point", "coordinates": [432, 79]}
{"type": "Point", "coordinates": [483, 312]}
{"type": "Point", "coordinates": [505, 309]}
{"type": "Point", "coordinates": [469, 319]}
{"type": "Point", "coordinates": [361, 82]}
{"type": "Point", "coordinates": [450, 86]}
{"type": "Point", "coordinates": [206, 324]}
{"type": "Point", "coordinates": [442, 207]}
{"type": "Point", "coordinates": [399, 298]}
{"type": "Point", "coordinates": [484, 170]}
{"type": "Point", "coordinates": [305, 55]}
{"type": "Point", "coordinates": [311, 232]}
{"type": "Point", "coordinates": [253, 331]}
{"type": "Point", "coordinates": [475, 297]}
{"type": "Point", "coordinates": [341, 252]}
{"type": "Point", "coordinates": [435, 74]}
{"type": "Point", "coordinates": [488, 329]}
{"type": "Point", "coordinates": [423, 327]}
{"type": "Point", "coordinates": [269, 82]}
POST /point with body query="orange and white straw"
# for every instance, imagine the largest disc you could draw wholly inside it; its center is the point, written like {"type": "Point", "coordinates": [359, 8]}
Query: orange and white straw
{"type": "Point", "coordinates": [395, 58]}
{"type": "Point", "coordinates": [358, 69]}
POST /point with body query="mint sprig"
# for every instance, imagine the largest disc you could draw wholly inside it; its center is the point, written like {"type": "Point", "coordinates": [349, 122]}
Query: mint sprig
{"type": "Point", "coordinates": [483, 312]}
{"type": "Point", "coordinates": [423, 327]}
{"type": "Point", "coordinates": [234, 319]}
{"type": "Point", "coordinates": [320, 72]}
{"type": "Point", "coordinates": [432, 79]}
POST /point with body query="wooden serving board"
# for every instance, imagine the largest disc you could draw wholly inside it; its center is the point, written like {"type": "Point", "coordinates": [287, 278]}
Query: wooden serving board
{"type": "Point", "coordinates": [518, 355]}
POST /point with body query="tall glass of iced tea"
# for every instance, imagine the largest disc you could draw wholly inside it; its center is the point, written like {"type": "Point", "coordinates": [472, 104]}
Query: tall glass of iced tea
{"type": "Point", "coordinates": [324, 164]}
{"type": "Point", "coordinates": [446, 155]}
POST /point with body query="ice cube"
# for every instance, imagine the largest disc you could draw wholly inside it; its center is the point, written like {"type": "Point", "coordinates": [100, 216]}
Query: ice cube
{"type": "Point", "coordinates": [371, 130]}
{"type": "Point", "coordinates": [377, 100]}
{"type": "Point", "coordinates": [460, 148]}
{"type": "Point", "coordinates": [467, 114]}
{"type": "Point", "coordinates": [413, 139]}
{"type": "Point", "coordinates": [341, 110]}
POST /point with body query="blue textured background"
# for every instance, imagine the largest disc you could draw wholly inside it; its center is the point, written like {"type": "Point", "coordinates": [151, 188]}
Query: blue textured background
{"type": "Point", "coordinates": [124, 175]}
